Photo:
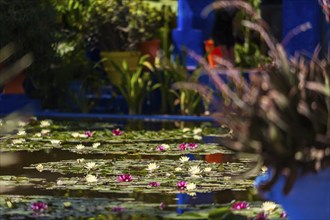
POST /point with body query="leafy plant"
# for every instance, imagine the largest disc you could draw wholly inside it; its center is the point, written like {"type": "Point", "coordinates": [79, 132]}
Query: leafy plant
{"type": "Point", "coordinates": [134, 85]}
{"type": "Point", "coordinates": [283, 114]}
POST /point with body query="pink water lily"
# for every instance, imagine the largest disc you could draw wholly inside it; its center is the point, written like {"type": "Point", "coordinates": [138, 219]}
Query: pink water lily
{"type": "Point", "coordinates": [192, 145]}
{"type": "Point", "coordinates": [118, 209]}
{"type": "Point", "coordinates": [154, 184]}
{"type": "Point", "coordinates": [89, 134]}
{"type": "Point", "coordinates": [117, 132]}
{"type": "Point", "coordinates": [160, 148]}
{"type": "Point", "coordinates": [182, 185]}
{"type": "Point", "coordinates": [39, 206]}
{"type": "Point", "coordinates": [240, 205]}
{"type": "Point", "coordinates": [124, 178]}
{"type": "Point", "coordinates": [162, 205]}
{"type": "Point", "coordinates": [183, 146]}
{"type": "Point", "coordinates": [260, 216]}
{"type": "Point", "coordinates": [283, 214]}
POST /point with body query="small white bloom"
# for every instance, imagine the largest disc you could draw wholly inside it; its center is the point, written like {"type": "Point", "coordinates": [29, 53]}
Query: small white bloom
{"type": "Point", "coordinates": [197, 137]}
{"type": "Point", "coordinates": [40, 167]}
{"type": "Point", "coordinates": [91, 178]}
{"type": "Point", "coordinates": [45, 131]}
{"type": "Point", "coordinates": [96, 145]}
{"type": "Point", "coordinates": [75, 134]}
{"type": "Point", "coordinates": [185, 130]}
{"type": "Point", "coordinates": [21, 132]}
{"type": "Point", "coordinates": [194, 170]}
{"type": "Point", "coordinates": [56, 142]}
{"type": "Point", "coordinates": [178, 169]}
{"type": "Point", "coordinates": [184, 159]}
{"type": "Point", "coordinates": [22, 124]}
{"type": "Point", "coordinates": [167, 174]}
{"type": "Point", "coordinates": [80, 160]}
{"type": "Point", "coordinates": [80, 146]}
{"type": "Point", "coordinates": [90, 165]}
{"type": "Point", "coordinates": [37, 134]}
{"type": "Point", "coordinates": [197, 131]}
{"type": "Point", "coordinates": [191, 186]}
{"type": "Point", "coordinates": [152, 167]}
{"type": "Point", "coordinates": [59, 182]}
{"type": "Point", "coordinates": [192, 194]}
{"type": "Point", "coordinates": [268, 207]}
{"type": "Point", "coordinates": [45, 123]}
{"type": "Point", "coordinates": [18, 141]}
{"type": "Point", "coordinates": [207, 169]}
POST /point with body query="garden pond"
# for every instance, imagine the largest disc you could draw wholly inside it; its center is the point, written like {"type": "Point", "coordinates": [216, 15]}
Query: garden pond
{"type": "Point", "coordinates": [93, 170]}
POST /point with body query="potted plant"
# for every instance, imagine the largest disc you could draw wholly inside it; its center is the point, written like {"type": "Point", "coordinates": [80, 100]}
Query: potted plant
{"type": "Point", "coordinates": [283, 115]}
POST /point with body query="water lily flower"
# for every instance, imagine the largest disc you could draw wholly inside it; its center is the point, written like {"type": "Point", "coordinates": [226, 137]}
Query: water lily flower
{"type": "Point", "coordinates": [192, 145]}
{"type": "Point", "coordinates": [75, 134]}
{"type": "Point", "coordinates": [182, 185]}
{"type": "Point", "coordinates": [80, 146]}
{"type": "Point", "coordinates": [56, 142]}
{"type": "Point", "coordinates": [18, 141]}
{"type": "Point", "coordinates": [117, 132]}
{"type": "Point", "coordinates": [90, 165]}
{"type": "Point", "coordinates": [40, 167]}
{"type": "Point", "coordinates": [197, 131]}
{"type": "Point", "coordinates": [89, 134]}
{"type": "Point", "coordinates": [80, 160]}
{"type": "Point", "coordinates": [178, 169]}
{"type": "Point", "coordinates": [124, 178]}
{"type": "Point", "coordinates": [268, 207]}
{"type": "Point", "coordinates": [152, 167]}
{"type": "Point", "coordinates": [20, 123]}
{"type": "Point", "coordinates": [96, 145]}
{"type": "Point", "coordinates": [118, 209]}
{"type": "Point", "coordinates": [182, 146]}
{"type": "Point", "coordinates": [38, 134]}
{"type": "Point", "coordinates": [227, 178]}
{"type": "Point", "coordinates": [185, 130]}
{"type": "Point", "coordinates": [197, 137]}
{"type": "Point", "coordinates": [91, 178]}
{"type": "Point", "coordinates": [162, 205]}
{"type": "Point", "coordinates": [240, 205]}
{"type": "Point", "coordinates": [154, 184]}
{"type": "Point", "coordinates": [260, 216]}
{"type": "Point", "coordinates": [184, 159]}
{"type": "Point", "coordinates": [194, 170]}
{"type": "Point", "coordinates": [191, 186]}
{"type": "Point", "coordinates": [192, 194]}
{"type": "Point", "coordinates": [45, 131]}
{"type": "Point", "coordinates": [39, 206]}
{"type": "Point", "coordinates": [45, 123]}
{"type": "Point", "coordinates": [21, 132]}
{"type": "Point", "coordinates": [207, 169]}
{"type": "Point", "coordinates": [283, 215]}
{"type": "Point", "coordinates": [162, 147]}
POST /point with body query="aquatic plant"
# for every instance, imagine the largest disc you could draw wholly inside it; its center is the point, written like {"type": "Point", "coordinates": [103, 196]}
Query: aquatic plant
{"type": "Point", "coordinates": [39, 206]}
{"type": "Point", "coordinates": [124, 178]}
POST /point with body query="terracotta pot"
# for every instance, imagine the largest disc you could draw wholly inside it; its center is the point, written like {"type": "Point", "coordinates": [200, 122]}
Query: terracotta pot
{"type": "Point", "coordinates": [150, 48]}
{"type": "Point", "coordinates": [14, 85]}
{"type": "Point", "coordinates": [212, 52]}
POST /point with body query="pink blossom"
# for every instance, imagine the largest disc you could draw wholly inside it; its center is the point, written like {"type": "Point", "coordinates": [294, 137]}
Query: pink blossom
{"type": "Point", "coordinates": [192, 145]}
{"type": "Point", "coordinates": [162, 205]}
{"type": "Point", "coordinates": [39, 206]}
{"type": "Point", "coordinates": [154, 184]}
{"type": "Point", "coordinates": [118, 209]}
{"type": "Point", "coordinates": [240, 205]}
{"type": "Point", "coordinates": [182, 146]}
{"type": "Point", "coordinates": [283, 214]}
{"type": "Point", "coordinates": [160, 148]}
{"type": "Point", "coordinates": [89, 134]}
{"type": "Point", "coordinates": [124, 178]}
{"type": "Point", "coordinates": [260, 216]}
{"type": "Point", "coordinates": [182, 185]}
{"type": "Point", "coordinates": [117, 132]}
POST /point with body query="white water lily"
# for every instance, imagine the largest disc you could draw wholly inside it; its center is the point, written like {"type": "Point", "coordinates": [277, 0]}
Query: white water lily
{"type": "Point", "coordinates": [59, 182]}
{"type": "Point", "coordinates": [56, 142]}
{"type": "Point", "coordinates": [207, 169]}
{"type": "Point", "coordinates": [45, 131]}
{"type": "Point", "coordinates": [191, 186]}
{"type": "Point", "coordinates": [194, 170]}
{"type": "Point", "coordinates": [90, 165]}
{"type": "Point", "coordinates": [184, 130]}
{"type": "Point", "coordinates": [38, 134]}
{"type": "Point", "coordinates": [22, 124]}
{"type": "Point", "coordinates": [197, 137]}
{"type": "Point", "coordinates": [268, 206]}
{"type": "Point", "coordinates": [96, 145]}
{"type": "Point", "coordinates": [80, 146]}
{"type": "Point", "coordinates": [91, 178]}
{"type": "Point", "coordinates": [178, 169]}
{"type": "Point", "coordinates": [40, 167]}
{"type": "Point", "coordinates": [80, 160]}
{"type": "Point", "coordinates": [152, 167]}
{"type": "Point", "coordinates": [21, 132]}
{"type": "Point", "coordinates": [45, 123]}
{"type": "Point", "coordinates": [75, 134]}
{"type": "Point", "coordinates": [197, 131]}
{"type": "Point", "coordinates": [18, 141]}
{"type": "Point", "coordinates": [184, 159]}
